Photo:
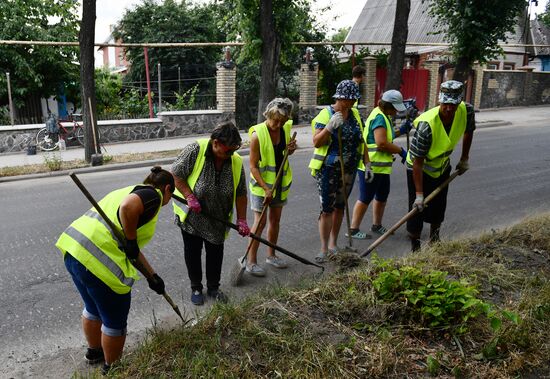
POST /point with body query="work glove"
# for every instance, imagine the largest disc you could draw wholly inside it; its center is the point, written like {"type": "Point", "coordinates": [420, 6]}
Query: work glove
{"type": "Point", "coordinates": [131, 249]}
{"type": "Point", "coordinates": [335, 121]}
{"type": "Point", "coordinates": [419, 202]}
{"type": "Point", "coordinates": [193, 203]}
{"type": "Point", "coordinates": [405, 127]}
{"type": "Point", "coordinates": [403, 155]}
{"type": "Point", "coordinates": [244, 230]}
{"type": "Point", "coordinates": [369, 175]}
{"type": "Point", "coordinates": [462, 166]}
{"type": "Point", "coordinates": [156, 284]}
{"type": "Point", "coordinates": [412, 113]}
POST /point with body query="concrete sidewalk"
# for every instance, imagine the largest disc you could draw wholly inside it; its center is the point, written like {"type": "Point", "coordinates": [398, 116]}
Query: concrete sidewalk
{"type": "Point", "coordinates": [499, 117]}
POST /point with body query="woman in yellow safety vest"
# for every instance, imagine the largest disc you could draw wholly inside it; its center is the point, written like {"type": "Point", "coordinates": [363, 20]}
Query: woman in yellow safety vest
{"type": "Point", "coordinates": [103, 271]}
{"type": "Point", "coordinates": [268, 142]}
{"type": "Point", "coordinates": [325, 163]}
{"type": "Point", "coordinates": [378, 136]}
{"type": "Point", "coordinates": [210, 175]}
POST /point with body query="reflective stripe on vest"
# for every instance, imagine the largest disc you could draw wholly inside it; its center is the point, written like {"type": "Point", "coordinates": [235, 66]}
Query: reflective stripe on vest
{"type": "Point", "coordinates": [267, 163]}
{"type": "Point", "coordinates": [381, 161]}
{"type": "Point", "coordinates": [90, 241]}
{"type": "Point", "coordinates": [320, 153]}
{"type": "Point", "coordinates": [437, 160]}
{"type": "Point", "coordinates": [181, 210]}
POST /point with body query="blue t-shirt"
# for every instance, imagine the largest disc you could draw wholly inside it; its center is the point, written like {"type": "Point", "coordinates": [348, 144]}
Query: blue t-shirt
{"type": "Point", "coordinates": [378, 122]}
{"type": "Point", "coordinates": [351, 139]}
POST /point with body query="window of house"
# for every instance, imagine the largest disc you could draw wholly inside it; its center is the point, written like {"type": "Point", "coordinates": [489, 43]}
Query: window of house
{"type": "Point", "coordinates": [508, 66]}
{"type": "Point", "coordinates": [492, 65]}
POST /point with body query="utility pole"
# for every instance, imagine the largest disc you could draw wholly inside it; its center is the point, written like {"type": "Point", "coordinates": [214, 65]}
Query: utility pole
{"type": "Point", "coordinates": [10, 102]}
{"type": "Point", "coordinates": [179, 80]}
{"type": "Point", "coordinates": [146, 56]}
{"type": "Point", "coordinates": [160, 93]}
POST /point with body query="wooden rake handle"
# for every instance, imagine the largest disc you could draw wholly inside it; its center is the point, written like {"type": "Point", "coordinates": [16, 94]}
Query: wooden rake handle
{"type": "Point", "coordinates": [411, 213]}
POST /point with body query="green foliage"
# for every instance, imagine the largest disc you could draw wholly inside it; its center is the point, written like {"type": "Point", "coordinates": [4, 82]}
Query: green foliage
{"type": "Point", "coordinates": [185, 100]}
{"type": "Point", "coordinates": [171, 21]}
{"type": "Point", "coordinates": [53, 161]}
{"type": "Point", "coordinates": [108, 91]}
{"type": "Point", "coordinates": [433, 365]}
{"type": "Point", "coordinates": [341, 34]}
{"type": "Point", "coordinates": [135, 104]}
{"type": "Point", "coordinates": [474, 30]}
{"type": "Point", "coordinates": [545, 17]}
{"type": "Point", "coordinates": [433, 299]}
{"type": "Point", "coordinates": [37, 70]}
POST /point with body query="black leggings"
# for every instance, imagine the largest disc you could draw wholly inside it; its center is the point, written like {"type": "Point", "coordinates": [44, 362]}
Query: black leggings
{"type": "Point", "coordinates": [192, 246]}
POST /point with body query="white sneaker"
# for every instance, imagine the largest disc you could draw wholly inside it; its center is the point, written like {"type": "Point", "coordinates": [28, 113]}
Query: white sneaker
{"type": "Point", "coordinates": [277, 262]}
{"type": "Point", "coordinates": [254, 269]}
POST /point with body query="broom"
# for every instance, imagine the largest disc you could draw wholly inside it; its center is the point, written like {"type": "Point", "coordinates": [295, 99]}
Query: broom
{"type": "Point", "coordinates": [237, 272]}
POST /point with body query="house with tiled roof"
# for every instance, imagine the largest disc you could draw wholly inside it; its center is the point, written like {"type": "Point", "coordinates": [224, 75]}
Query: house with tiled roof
{"type": "Point", "coordinates": [540, 35]}
{"type": "Point", "coordinates": [375, 25]}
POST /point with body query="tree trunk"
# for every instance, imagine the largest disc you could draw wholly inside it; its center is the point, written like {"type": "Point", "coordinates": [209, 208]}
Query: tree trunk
{"type": "Point", "coordinates": [396, 59]}
{"type": "Point", "coordinates": [462, 69]}
{"type": "Point", "coordinates": [87, 83]}
{"type": "Point", "coordinates": [271, 49]}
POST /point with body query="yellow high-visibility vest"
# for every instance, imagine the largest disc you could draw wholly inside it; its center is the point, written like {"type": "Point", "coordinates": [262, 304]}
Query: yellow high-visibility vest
{"type": "Point", "coordinates": [267, 164]}
{"type": "Point", "coordinates": [91, 242]}
{"type": "Point", "coordinates": [443, 144]}
{"type": "Point", "coordinates": [236, 165]}
{"type": "Point", "coordinates": [381, 161]}
{"type": "Point", "coordinates": [320, 153]}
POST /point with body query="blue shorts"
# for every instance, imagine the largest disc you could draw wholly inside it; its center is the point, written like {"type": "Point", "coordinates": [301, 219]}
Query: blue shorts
{"type": "Point", "coordinates": [378, 189]}
{"type": "Point", "coordinates": [100, 302]}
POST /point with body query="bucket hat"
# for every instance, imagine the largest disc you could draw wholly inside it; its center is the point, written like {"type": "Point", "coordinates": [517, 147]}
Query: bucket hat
{"type": "Point", "coordinates": [347, 90]}
{"type": "Point", "coordinates": [451, 92]}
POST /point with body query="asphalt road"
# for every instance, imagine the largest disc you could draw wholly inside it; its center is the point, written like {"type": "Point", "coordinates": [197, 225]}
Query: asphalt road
{"type": "Point", "coordinates": [40, 308]}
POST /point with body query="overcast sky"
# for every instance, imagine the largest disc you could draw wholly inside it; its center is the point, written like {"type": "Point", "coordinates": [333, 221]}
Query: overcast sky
{"type": "Point", "coordinates": [342, 15]}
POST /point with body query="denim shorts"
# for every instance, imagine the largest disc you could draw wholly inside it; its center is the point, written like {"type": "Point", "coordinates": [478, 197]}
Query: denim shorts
{"type": "Point", "coordinates": [256, 202]}
{"type": "Point", "coordinates": [100, 302]}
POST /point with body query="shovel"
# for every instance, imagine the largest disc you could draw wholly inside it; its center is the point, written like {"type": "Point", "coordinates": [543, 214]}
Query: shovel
{"type": "Point", "coordinates": [118, 234]}
{"type": "Point", "coordinates": [411, 213]}
{"type": "Point", "coordinates": [254, 236]}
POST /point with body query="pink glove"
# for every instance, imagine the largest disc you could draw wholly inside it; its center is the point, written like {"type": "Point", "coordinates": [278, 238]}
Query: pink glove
{"type": "Point", "coordinates": [244, 230]}
{"type": "Point", "coordinates": [193, 203]}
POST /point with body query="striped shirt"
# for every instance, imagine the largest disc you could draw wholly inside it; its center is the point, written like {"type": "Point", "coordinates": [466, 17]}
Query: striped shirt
{"type": "Point", "coordinates": [422, 139]}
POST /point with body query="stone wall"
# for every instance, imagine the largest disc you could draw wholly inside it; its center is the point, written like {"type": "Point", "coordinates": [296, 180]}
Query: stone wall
{"type": "Point", "coordinates": [514, 88]}
{"type": "Point", "coordinates": [169, 124]}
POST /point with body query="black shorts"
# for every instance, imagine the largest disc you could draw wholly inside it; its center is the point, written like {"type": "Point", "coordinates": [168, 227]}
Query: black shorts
{"type": "Point", "coordinates": [434, 212]}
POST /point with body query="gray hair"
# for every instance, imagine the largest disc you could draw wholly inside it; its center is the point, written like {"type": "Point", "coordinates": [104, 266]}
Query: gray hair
{"type": "Point", "coordinates": [279, 106]}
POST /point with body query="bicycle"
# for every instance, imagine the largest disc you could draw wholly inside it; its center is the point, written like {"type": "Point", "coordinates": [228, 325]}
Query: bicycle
{"type": "Point", "coordinates": [47, 138]}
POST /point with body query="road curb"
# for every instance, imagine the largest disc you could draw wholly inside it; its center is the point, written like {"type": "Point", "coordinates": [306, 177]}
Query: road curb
{"type": "Point", "coordinates": [108, 167]}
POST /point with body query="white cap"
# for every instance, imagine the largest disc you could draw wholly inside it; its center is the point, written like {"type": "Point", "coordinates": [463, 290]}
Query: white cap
{"type": "Point", "coordinates": [395, 98]}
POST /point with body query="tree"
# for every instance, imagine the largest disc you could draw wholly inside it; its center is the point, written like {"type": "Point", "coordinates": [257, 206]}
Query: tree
{"type": "Point", "coordinates": [87, 83]}
{"type": "Point", "coordinates": [545, 17]}
{"type": "Point", "coordinates": [37, 70]}
{"type": "Point", "coordinates": [396, 59]}
{"type": "Point", "coordinates": [268, 28]}
{"type": "Point", "coordinates": [341, 34]}
{"type": "Point", "coordinates": [171, 21]}
{"type": "Point", "coordinates": [474, 30]}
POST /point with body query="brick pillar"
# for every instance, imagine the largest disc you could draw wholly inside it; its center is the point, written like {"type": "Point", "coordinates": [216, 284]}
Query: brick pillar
{"type": "Point", "coordinates": [369, 88]}
{"type": "Point", "coordinates": [308, 91]}
{"type": "Point", "coordinates": [433, 90]}
{"type": "Point", "coordinates": [478, 85]}
{"type": "Point", "coordinates": [226, 93]}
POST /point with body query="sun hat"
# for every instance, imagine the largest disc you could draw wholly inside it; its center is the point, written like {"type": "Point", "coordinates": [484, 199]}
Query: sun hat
{"type": "Point", "coordinates": [347, 90]}
{"type": "Point", "coordinates": [451, 92]}
{"type": "Point", "coordinates": [395, 98]}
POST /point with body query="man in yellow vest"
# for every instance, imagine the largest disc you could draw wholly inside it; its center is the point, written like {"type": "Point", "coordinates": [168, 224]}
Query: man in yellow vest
{"type": "Point", "coordinates": [438, 131]}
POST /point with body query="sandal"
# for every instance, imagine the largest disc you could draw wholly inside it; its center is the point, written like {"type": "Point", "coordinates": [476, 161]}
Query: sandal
{"type": "Point", "coordinates": [321, 257]}
{"type": "Point", "coordinates": [359, 235]}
